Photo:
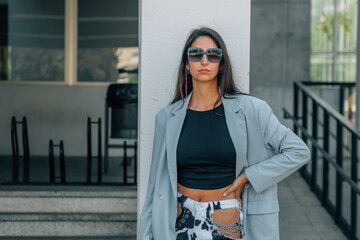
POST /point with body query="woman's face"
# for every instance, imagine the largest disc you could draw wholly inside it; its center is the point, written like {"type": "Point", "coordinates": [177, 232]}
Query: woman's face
{"type": "Point", "coordinates": [204, 70]}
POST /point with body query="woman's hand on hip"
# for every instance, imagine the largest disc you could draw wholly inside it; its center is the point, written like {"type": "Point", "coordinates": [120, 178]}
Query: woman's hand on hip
{"type": "Point", "coordinates": [237, 187]}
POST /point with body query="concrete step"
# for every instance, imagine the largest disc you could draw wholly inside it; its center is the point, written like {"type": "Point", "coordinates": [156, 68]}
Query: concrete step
{"type": "Point", "coordinates": [71, 238]}
{"type": "Point", "coordinates": [68, 212]}
{"type": "Point", "coordinates": [67, 224]}
{"type": "Point", "coordinates": [68, 199]}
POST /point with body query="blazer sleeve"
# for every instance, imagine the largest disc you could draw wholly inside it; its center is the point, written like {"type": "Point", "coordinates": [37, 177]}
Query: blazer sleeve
{"type": "Point", "coordinates": [145, 229]}
{"type": "Point", "coordinates": [292, 152]}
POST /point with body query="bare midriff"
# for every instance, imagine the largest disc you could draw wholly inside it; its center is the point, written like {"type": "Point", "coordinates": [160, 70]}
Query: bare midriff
{"type": "Point", "coordinates": [201, 195]}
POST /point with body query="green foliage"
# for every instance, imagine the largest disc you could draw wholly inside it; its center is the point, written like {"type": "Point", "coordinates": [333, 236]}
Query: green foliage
{"type": "Point", "coordinates": [326, 24]}
{"type": "Point", "coordinates": [324, 52]}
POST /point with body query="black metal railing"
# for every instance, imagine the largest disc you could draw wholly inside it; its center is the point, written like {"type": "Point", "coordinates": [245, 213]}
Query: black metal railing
{"type": "Point", "coordinates": [89, 151]}
{"type": "Point", "coordinates": [52, 175]}
{"type": "Point", "coordinates": [341, 86]}
{"type": "Point", "coordinates": [316, 119]}
{"type": "Point", "coordinates": [15, 151]}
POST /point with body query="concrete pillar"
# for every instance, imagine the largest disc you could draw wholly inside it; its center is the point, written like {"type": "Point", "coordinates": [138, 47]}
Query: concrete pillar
{"type": "Point", "coordinates": [164, 27]}
{"type": "Point", "coordinates": [280, 50]}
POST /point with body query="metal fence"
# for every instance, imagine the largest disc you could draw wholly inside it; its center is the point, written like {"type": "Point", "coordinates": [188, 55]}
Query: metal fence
{"type": "Point", "coordinates": [333, 171]}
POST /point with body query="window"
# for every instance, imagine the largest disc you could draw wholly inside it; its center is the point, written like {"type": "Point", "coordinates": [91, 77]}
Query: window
{"type": "Point", "coordinates": [32, 40]}
{"type": "Point", "coordinates": [107, 40]}
{"type": "Point", "coordinates": [68, 41]}
{"type": "Point", "coordinates": [333, 40]}
{"type": "Point", "coordinates": [333, 46]}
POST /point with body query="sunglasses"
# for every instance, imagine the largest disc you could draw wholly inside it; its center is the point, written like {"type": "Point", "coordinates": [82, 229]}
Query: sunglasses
{"type": "Point", "coordinates": [195, 54]}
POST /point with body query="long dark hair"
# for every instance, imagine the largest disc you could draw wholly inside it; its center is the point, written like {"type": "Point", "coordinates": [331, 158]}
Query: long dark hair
{"type": "Point", "coordinates": [225, 78]}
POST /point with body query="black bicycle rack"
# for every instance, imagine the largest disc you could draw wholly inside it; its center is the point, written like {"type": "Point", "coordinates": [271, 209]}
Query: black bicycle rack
{"type": "Point", "coordinates": [15, 150]}
{"type": "Point", "coordinates": [52, 162]}
{"type": "Point", "coordinates": [89, 152]}
{"type": "Point", "coordinates": [56, 158]}
{"type": "Point", "coordinates": [125, 147]}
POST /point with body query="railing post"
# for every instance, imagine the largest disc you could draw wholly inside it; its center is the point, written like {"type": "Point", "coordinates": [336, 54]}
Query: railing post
{"type": "Point", "coordinates": [314, 149]}
{"type": "Point", "coordinates": [304, 122]}
{"type": "Point", "coordinates": [26, 167]}
{"type": "Point", "coordinates": [51, 162]}
{"type": "Point", "coordinates": [325, 161]}
{"type": "Point", "coordinates": [135, 162]}
{"type": "Point", "coordinates": [62, 162]}
{"type": "Point", "coordinates": [296, 106]}
{"type": "Point", "coordinates": [304, 113]}
{"type": "Point", "coordinates": [339, 161]}
{"type": "Point", "coordinates": [15, 151]}
{"type": "Point", "coordinates": [125, 164]}
{"type": "Point", "coordinates": [99, 153]}
{"type": "Point", "coordinates": [354, 177]}
{"type": "Point", "coordinates": [89, 154]}
{"type": "Point", "coordinates": [341, 99]}
{"type": "Point", "coordinates": [106, 130]}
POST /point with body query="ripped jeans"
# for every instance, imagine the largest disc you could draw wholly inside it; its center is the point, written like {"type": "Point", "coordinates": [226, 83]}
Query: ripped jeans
{"type": "Point", "coordinates": [217, 220]}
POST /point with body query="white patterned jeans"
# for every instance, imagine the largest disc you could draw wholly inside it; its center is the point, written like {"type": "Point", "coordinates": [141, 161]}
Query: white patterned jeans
{"type": "Point", "coordinates": [216, 220]}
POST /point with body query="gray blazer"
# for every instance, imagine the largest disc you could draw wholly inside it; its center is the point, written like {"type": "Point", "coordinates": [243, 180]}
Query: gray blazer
{"type": "Point", "coordinates": [265, 149]}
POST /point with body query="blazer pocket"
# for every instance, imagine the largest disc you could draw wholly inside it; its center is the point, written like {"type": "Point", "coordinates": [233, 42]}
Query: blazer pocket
{"type": "Point", "coordinates": [261, 207]}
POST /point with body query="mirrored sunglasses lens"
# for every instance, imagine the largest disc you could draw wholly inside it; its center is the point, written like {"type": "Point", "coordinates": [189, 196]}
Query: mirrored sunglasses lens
{"type": "Point", "coordinates": [214, 55]}
{"type": "Point", "coordinates": [195, 54]}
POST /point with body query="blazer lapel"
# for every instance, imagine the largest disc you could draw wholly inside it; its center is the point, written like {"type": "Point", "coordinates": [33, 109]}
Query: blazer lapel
{"type": "Point", "coordinates": [173, 129]}
{"type": "Point", "coordinates": [235, 121]}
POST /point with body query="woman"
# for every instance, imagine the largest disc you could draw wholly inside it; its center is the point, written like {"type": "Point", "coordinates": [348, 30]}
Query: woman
{"type": "Point", "coordinates": [218, 155]}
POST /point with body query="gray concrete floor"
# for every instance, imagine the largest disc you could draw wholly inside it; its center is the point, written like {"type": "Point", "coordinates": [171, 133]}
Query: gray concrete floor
{"type": "Point", "coordinates": [76, 169]}
{"type": "Point", "coordinates": [302, 217]}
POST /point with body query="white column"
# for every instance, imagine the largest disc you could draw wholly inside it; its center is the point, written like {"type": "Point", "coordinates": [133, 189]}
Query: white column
{"type": "Point", "coordinates": [163, 30]}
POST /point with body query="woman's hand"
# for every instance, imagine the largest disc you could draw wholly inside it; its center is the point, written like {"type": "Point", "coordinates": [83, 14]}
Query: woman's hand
{"type": "Point", "coordinates": [237, 187]}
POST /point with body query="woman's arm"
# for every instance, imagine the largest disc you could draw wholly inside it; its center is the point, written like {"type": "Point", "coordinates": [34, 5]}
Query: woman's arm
{"type": "Point", "coordinates": [293, 153]}
{"type": "Point", "coordinates": [145, 232]}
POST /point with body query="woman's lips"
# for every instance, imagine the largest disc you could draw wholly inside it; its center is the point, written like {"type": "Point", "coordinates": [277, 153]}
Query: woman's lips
{"type": "Point", "coordinates": [204, 71]}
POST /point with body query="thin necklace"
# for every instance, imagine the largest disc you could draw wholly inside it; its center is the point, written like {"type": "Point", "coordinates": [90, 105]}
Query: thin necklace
{"type": "Point", "coordinates": [188, 102]}
{"type": "Point", "coordinates": [203, 110]}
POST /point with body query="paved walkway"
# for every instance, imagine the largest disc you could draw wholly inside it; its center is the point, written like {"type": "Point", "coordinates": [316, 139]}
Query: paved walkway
{"type": "Point", "coordinates": [302, 217]}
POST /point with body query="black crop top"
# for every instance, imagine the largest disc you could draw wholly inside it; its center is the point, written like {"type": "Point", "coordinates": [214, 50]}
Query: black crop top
{"type": "Point", "coordinates": [205, 153]}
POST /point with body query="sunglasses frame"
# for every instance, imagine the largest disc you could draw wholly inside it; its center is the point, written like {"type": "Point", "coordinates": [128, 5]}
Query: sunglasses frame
{"type": "Point", "coordinates": [203, 52]}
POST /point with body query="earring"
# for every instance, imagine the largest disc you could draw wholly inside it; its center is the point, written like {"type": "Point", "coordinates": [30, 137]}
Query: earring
{"type": "Point", "coordinates": [186, 100]}
{"type": "Point", "coordinates": [220, 72]}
